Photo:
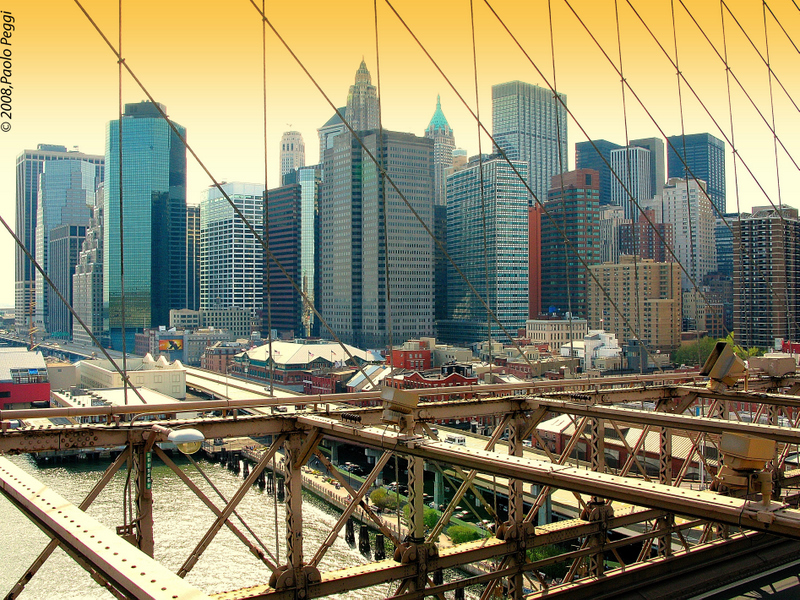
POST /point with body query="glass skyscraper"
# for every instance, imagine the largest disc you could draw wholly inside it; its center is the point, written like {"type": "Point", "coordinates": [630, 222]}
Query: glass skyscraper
{"type": "Point", "coordinates": [506, 205]}
{"type": "Point", "coordinates": [588, 156]}
{"type": "Point", "coordinates": [530, 125]}
{"type": "Point", "coordinates": [705, 156]}
{"type": "Point", "coordinates": [154, 200]}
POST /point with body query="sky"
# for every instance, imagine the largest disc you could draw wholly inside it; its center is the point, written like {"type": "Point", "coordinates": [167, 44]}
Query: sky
{"type": "Point", "coordinates": [203, 61]}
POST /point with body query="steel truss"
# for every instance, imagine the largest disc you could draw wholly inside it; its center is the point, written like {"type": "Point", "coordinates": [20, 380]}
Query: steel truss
{"type": "Point", "coordinates": [646, 494]}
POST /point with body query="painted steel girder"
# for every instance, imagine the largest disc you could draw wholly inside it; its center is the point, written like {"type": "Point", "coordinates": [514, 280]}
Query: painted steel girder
{"type": "Point", "coordinates": [130, 570]}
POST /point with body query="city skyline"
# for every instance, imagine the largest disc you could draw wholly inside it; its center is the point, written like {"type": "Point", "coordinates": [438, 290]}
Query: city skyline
{"type": "Point", "coordinates": [78, 118]}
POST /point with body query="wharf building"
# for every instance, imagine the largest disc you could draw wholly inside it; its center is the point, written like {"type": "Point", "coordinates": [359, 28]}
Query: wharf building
{"type": "Point", "coordinates": [530, 125]}
{"type": "Point", "coordinates": [87, 282]}
{"type": "Point", "coordinates": [293, 214]}
{"type": "Point", "coordinates": [505, 201]}
{"type": "Point", "coordinates": [154, 199]}
{"type": "Point", "coordinates": [766, 276]}
{"type": "Point", "coordinates": [647, 294]}
{"type": "Point", "coordinates": [231, 258]}
{"type": "Point", "coordinates": [30, 164]}
{"type": "Point", "coordinates": [573, 206]}
{"type": "Point", "coordinates": [704, 154]}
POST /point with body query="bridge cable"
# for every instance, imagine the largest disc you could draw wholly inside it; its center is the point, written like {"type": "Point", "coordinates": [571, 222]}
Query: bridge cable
{"type": "Point", "coordinates": [265, 210]}
{"type": "Point", "coordinates": [121, 216]}
{"type": "Point", "coordinates": [786, 33]}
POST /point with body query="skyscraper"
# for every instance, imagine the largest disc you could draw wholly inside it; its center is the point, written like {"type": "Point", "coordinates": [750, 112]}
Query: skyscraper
{"type": "Point", "coordinates": [66, 192]}
{"type": "Point", "coordinates": [328, 132]}
{"type": "Point", "coordinates": [587, 157]}
{"type": "Point", "coordinates": [30, 164]}
{"type": "Point", "coordinates": [705, 156]}
{"type": "Point", "coordinates": [574, 207]}
{"type": "Point", "coordinates": [530, 125]}
{"type": "Point", "coordinates": [352, 250]}
{"type": "Point", "coordinates": [362, 111]}
{"type": "Point", "coordinates": [632, 166]}
{"type": "Point", "coordinates": [193, 256]}
{"type": "Point", "coordinates": [87, 282]}
{"type": "Point", "coordinates": [658, 175]}
{"type": "Point", "coordinates": [293, 240]}
{"type": "Point", "coordinates": [293, 152]}
{"type": "Point", "coordinates": [231, 258]}
{"type": "Point", "coordinates": [766, 279]}
{"type": "Point", "coordinates": [505, 201]}
{"type": "Point", "coordinates": [154, 199]}
{"type": "Point", "coordinates": [443, 145]}
{"type": "Point", "coordinates": [64, 246]}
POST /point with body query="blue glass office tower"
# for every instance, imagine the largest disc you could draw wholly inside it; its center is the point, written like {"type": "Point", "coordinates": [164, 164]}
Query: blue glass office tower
{"type": "Point", "coordinates": [705, 156]}
{"type": "Point", "coordinates": [154, 201]}
{"type": "Point", "coordinates": [588, 156]}
{"type": "Point", "coordinates": [506, 204]}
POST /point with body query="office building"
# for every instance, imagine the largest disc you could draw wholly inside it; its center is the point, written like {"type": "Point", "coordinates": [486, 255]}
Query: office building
{"type": "Point", "coordinates": [293, 152]}
{"type": "Point", "coordinates": [766, 278]}
{"type": "Point", "coordinates": [658, 173]}
{"type": "Point", "coordinates": [353, 242]}
{"type": "Point", "coordinates": [505, 202]}
{"type": "Point", "coordinates": [444, 143]}
{"type": "Point", "coordinates": [684, 205]}
{"type": "Point", "coordinates": [362, 111]}
{"type": "Point", "coordinates": [705, 156]}
{"type": "Point", "coordinates": [29, 166]}
{"type": "Point", "coordinates": [154, 199]}
{"type": "Point", "coordinates": [529, 124]}
{"type": "Point", "coordinates": [573, 206]}
{"type": "Point", "coordinates": [596, 155]}
{"type": "Point", "coordinates": [332, 127]}
{"type": "Point", "coordinates": [632, 166]}
{"type": "Point", "coordinates": [723, 236]}
{"type": "Point", "coordinates": [87, 282]}
{"type": "Point", "coordinates": [647, 295]}
{"type": "Point", "coordinates": [611, 219]}
{"type": "Point", "coordinates": [193, 256]}
{"type": "Point", "coordinates": [66, 192]}
{"type": "Point", "coordinates": [231, 258]}
{"type": "Point", "coordinates": [64, 246]}
{"type": "Point", "coordinates": [647, 237]}
{"type": "Point", "coordinates": [293, 232]}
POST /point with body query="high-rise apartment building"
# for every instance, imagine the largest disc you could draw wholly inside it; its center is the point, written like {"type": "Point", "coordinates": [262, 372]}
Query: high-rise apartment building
{"type": "Point", "coordinates": [530, 124]}
{"type": "Point", "coordinates": [596, 155]}
{"type": "Point", "coordinates": [29, 166]}
{"type": "Point", "coordinates": [444, 143]}
{"type": "Point", "coordinates": [658, 173]}
{"type": "Point", "coordinates": [632, 166]}
{"type": "Point", "coordinates": [154, 230]}
{"type": "Point", "coordinates": [611, 219]}
{"type": "Point", "coordinates": [766, 276]}
{"type": "Point", "coordinates": [362, 111]}
{"type": "Point", "coordinates": [87, 282]}
{"type": "Point", "coordinates": [293, 152]}
{"type": "Point", "coordinates": [684, 205]}
{"type": "Point", "coordinates": [705, 156]}
{"type": "Point", "coordinates": [66, 192]}
{"type": "Point", "coordinates": [353, 241]}
{"type": "Point", "coordinates": [192, 256]}
{"type": "Point", "coordinates": [293, 211]}
{"type": "Point", "coordinates": [505, 203]}
{"type": "Point", "coordinates": [648, 296]}
{"type": "Point", "coordinates": [647, 239]}
{"type": "Point", "coordinates": [231, 258]}
{"type": "Point", "coordinates": [573, 206]}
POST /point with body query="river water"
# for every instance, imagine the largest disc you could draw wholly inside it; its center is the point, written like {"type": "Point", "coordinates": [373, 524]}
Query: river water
{"type": "Point", "coordinates": [180, 520]}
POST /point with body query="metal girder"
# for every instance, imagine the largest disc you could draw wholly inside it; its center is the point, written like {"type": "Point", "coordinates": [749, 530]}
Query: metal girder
{"type": "Point", "coordinates": [127, 568]}
{"type": "Point", "coordinates": [734, 511]}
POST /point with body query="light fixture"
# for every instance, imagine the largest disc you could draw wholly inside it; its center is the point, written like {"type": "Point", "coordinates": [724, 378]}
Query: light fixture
{"type": "Point", "coordinates": [723, 367]}
{"type": "Point", "coordinates": [398, 405]}
{"type": "Point", "coordinates": [187, 441]}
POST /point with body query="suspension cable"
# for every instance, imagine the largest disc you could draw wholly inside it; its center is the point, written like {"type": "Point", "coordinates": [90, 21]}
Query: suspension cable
{"type": "Point", "coordinates": [265, 209]}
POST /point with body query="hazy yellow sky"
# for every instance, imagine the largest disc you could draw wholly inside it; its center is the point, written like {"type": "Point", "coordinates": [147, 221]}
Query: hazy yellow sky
{"type": "Point", "coordinates": [203, 61]}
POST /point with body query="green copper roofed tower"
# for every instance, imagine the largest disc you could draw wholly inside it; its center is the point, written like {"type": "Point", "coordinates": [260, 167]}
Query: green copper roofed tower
{"type": "Point", "coordinates": [441, 133]}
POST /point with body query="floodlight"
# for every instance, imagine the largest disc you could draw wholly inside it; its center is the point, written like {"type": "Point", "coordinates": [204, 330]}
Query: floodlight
{"type": "Point", "coordinates": [187, 441]}
{"type": "Point", "coordinates": [723, 367]}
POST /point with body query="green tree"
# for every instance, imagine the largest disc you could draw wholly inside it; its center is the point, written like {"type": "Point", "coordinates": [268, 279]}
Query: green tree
{"type": "Point", "coordinates": [430, 516]}
{"type": "Point", "coordinates": [460, 534]}
{"type": "Point", "coordinates": [694, 353]}
{"type": "Point", "coordinates": [556, 570]}
{"type": "Point", "coordinates": [383, 499]}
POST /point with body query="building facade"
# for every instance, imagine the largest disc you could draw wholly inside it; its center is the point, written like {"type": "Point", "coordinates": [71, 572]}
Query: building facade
{"type": "Point", "coordinates": [193, 256]}
{"type": "Point", "coordinates": [596, 155]}
{"type": "Point", "coordinates": [64, 248]}
{"type": "Point", "coordinates": [705, 157]}
{"type": "Point", "coordinates": [555, 332]}
{"type": "Point", "coordinates": [87, 282]}
{"type": "Point", "coordinates": [154, 200]}
{"type": "Point", "coordinates": [632, 166]}
{"type": "Point", "coordinates": [658, 172]}
{"type": "Point", "coordinates": [573, 206]}
{"type": "Point", "coordinates": [444, 143]}
{"type": "Point", "coordinates": [647, 238]}
{"type": "Point", "coordinates": [362, 111]}
{"type": "Point", "coordinates": [766, 276]}
{"type": "Point", "coordinates": [505, 202]}
{"type": "Point", "coordinates": [293, 152]}
{"type": "Point", "coordinates": [328, 132]}
{"type": "Point", "coordinates": [231, 258]}
{"type": "Point", "coordinates": [530, 125]}
{"type": "Point", "coordinates": [29, 166]}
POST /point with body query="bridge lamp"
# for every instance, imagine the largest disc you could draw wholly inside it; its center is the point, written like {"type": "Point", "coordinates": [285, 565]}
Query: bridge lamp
{"type": "Point", "coordinates": [398, 405]}
{"type": "Point", "coordinates": [187, 441]}
{"type": "Point", "coordinates": [723, 367]}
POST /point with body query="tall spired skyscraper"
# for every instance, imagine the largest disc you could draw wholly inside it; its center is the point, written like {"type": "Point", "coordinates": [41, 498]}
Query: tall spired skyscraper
{"type": "Point", "coordinates": [293, 152]}
{"type": "Point", "coordinates": [530, 124]}
{"type": "Point", "coordinates": [362, 102]}
{"type": "Point", "coordinates": [443, 145]}
{"type": "Point", "coordinates": [154, 200]}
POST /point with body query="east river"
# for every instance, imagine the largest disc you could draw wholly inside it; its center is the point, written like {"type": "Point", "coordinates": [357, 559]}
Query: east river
{"type": "Point", "coordinates": [180, 521]}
